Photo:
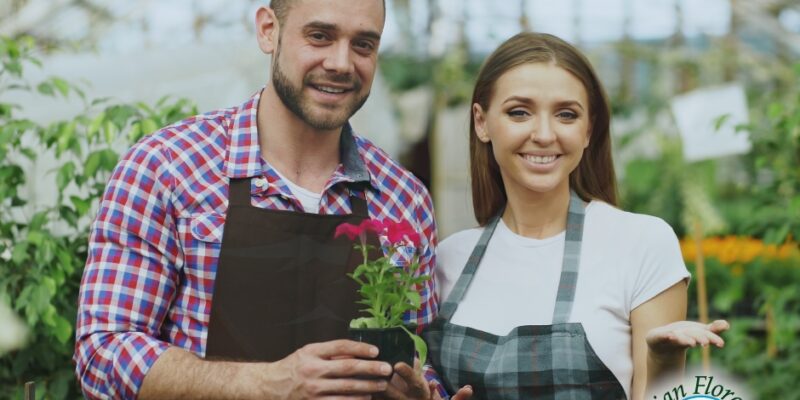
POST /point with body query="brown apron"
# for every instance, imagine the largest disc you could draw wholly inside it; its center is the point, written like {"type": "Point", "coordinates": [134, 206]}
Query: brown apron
{"type": "Point", "coordinates": [281, 280]}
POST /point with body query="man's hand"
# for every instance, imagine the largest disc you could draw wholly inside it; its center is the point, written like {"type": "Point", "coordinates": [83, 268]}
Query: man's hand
{"type": "Point", "coordinates": [319, 370]}
{"type": "Point", "coordinates": [408, 384]}
{"type": "Point", "coordinates": [327, 369]}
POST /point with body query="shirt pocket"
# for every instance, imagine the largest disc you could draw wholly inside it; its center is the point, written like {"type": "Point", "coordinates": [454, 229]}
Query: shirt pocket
{"type": "Point", "coordinates": [201, 237]}
{"type": "Point", "coordinates": [207, 227]}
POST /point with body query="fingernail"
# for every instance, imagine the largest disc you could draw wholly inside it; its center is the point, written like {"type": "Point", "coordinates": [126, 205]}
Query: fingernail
{"type": "Point", "coordinates": [373, 351]}
{"type": "Point", "coordinates": [386, 369]}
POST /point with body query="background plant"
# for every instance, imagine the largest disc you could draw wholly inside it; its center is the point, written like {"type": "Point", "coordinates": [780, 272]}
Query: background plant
{"type": "Point", "coordinates": [755, 286]}
{"type": "Point", "coordinates": [43, 246]}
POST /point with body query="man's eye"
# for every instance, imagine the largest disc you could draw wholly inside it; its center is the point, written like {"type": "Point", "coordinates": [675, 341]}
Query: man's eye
{"type": "Point", "coordinates": [318, 36]}
{"type": "Point", "coordinates": [365, 45]}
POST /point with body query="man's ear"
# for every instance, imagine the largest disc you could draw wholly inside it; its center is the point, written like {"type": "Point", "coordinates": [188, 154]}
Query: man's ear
{"type": "Point", "coordinates": [267, 29]}
{"type": "Point", "coordinates": [479, 120]}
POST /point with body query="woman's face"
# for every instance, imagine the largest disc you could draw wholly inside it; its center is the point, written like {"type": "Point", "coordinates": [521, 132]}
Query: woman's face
{"type": "Point", "coordinates": [538, 122]}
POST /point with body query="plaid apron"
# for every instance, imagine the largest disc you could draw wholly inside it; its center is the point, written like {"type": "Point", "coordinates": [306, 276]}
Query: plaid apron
{"type": "Point", "coordinates": [533, 361]}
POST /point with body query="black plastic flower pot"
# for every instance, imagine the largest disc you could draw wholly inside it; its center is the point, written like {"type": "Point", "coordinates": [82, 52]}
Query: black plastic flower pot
{"type": "Point", "coordinates": [394, 343]}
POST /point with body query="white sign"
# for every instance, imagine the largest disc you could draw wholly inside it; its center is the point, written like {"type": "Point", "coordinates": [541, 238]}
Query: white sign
{"type": "Point", "coordinates": [696, 114]}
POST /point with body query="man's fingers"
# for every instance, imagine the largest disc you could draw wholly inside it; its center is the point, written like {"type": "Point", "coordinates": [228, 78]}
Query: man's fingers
{"type": "Point", "coordinates": [415, 383]}
{"type": "Point", "coordinates": [351, 387]}
{"type": "Point", "coordinates": [342, 347]}
{"type": "Point", "coordinates": [464, 393]}
{"type": "Point", "coordinates": [355, 367]}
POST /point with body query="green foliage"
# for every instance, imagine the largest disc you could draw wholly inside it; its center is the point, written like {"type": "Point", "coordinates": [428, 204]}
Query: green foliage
{"type": "Point", "coordinates": [760, 300]}
{"type": "Point", "coordinates": [43, 247]}
{"type": "Point", "coordinates": [775, 167]}
{"type": "Point", "coordinates": [388, 292]}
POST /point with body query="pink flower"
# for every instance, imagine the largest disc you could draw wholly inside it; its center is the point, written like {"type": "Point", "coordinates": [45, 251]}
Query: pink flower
{"type": "Point", "coordinates": [347, 229]}
{"type": "Point", "coordinates": [360, 230]}
{"type": "Point", "coordinates": [372, 225]}
{"type": "Point", "coordinates": [399, 231]}
{"type": "Point", "coordinates": [396, 232]}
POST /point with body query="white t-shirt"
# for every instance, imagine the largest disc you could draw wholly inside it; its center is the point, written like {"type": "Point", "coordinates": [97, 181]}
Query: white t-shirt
{"type": "Point", "coordinates": [308, 199]}
{"type": "Point", "coordinates": [626, 259]}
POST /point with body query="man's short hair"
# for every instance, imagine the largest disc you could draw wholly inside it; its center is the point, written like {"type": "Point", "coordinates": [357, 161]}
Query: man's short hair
{"type": "Point", "coordinates": [281, 8]}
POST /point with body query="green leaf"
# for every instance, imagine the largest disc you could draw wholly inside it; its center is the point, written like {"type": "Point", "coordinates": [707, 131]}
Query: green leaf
{"type": "Point", "coordinates": [65, 136]}
{"type": "Point", "coordinates": [419, 346]}
{"type": "Point", "coordinates": [94, 126]}
{"type": "Point", "coordinates": [46, 89]}
{"type": "Point", "coordinates": [62, 329]}
{"type": "Point", "coordinates": [61, 85]}
{"type": "Point", "coordinates": [414, 298]}
{"type": "Point", "coordinates": [65, 175]}
{"type": "Point", "coordinates": [110, 131]}
{"type": "Point", "coordinates": [719, 121]}
{"type": "Point", "coordinates": [20, 253]}
{"type": "Point", "coordinates": [149, 126]}
{"type": "Point", "coordinates": [81, 205]}
{"type": "Point", "coordinates": [36, 238]}
{"type": "Point", "coordinates": [93, 163]}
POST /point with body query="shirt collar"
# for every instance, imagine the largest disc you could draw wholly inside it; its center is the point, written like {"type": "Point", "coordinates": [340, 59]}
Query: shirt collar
{"type": "Point", "coordinates": [244, 153]}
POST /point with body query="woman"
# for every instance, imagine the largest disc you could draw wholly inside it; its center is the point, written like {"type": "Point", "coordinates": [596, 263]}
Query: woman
{"type": "Point", "coordinates": [558, 294]}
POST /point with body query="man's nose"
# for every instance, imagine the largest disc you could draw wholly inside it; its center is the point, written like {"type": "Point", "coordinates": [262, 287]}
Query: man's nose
{"type": "Point", "coordinates": [339, 59]}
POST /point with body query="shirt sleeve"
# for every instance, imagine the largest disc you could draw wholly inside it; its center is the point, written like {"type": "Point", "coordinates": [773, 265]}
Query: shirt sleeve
{"type": "Point", "coordinates": [130, 276]}
{"type": "Point", "coordinates": [662, 264]}
{"type": "Point", "coordinates": [431, 376]}
{"type": "Point", "coordinates": [426, 226]}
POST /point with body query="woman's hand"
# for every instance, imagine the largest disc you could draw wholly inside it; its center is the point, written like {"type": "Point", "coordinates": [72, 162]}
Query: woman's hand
{"type": "Point", "coordinates": [408, 384]}
{"type": "Point", "coordinates": [671, 338]}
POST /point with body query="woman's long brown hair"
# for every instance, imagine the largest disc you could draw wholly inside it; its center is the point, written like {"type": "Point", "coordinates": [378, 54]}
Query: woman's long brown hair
{"type": "Point", "coordinates": [594, 178]}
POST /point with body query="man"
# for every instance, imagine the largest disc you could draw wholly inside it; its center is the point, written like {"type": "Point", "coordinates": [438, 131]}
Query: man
{"type": "Point", "coordinates": [209, 249]}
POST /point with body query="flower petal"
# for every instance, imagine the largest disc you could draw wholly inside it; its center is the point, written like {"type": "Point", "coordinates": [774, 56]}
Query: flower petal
{"type": "Point", "coordinates": [347, 229]}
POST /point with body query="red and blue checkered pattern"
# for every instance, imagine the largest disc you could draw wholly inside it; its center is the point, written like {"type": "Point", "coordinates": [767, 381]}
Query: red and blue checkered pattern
{"type": "Point", "coordinates": [155, 244]}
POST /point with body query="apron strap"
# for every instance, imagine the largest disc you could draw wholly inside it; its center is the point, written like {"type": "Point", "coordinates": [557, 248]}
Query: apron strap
{"type": "Point", "coordinates": [571, 262]}
{"type": "Point", "coordinates": [358, 205]}
{"type": "Point", "coordinates": [457, 294]}
{"type": "Point", "coordinates": [569, 269]}
{"type": "Point", "coordinates": [239, 192]}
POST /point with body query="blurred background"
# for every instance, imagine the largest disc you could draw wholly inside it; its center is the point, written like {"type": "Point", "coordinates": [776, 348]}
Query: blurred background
{"type": "Point", "coordinates": [706, 135]}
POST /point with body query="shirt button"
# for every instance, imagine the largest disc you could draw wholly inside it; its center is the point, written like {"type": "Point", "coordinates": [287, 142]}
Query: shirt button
{"type": "Point", "coordinates": [260, 182]}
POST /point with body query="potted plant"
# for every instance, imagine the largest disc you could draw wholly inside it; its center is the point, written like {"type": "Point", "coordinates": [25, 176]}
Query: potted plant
{"type": "Point", "coordinates": [387, 291]}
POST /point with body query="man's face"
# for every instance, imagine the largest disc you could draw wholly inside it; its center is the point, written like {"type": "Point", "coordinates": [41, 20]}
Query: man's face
{"type": "Point", "coordinates": [325, 59]}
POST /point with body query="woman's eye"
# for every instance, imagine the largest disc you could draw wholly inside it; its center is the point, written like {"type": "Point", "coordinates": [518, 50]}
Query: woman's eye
{"type": "Point", "coordinates": [569, 115]}
{"type": "Point", "coordinates": [517, 113]}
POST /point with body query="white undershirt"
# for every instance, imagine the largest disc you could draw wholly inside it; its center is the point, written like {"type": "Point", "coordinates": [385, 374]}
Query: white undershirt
{"type": "Point", "coordinates": [308, 199]}
{"type": "Point", "coordinates": [626, 259]}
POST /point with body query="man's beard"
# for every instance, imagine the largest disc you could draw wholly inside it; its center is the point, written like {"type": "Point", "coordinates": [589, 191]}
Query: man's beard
{"type": "Point", "coordinates": [295, 100]}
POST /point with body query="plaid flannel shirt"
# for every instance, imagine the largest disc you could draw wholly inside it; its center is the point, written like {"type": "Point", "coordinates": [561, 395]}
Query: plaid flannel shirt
{"type": "Point", "coordinates": [155, 243]}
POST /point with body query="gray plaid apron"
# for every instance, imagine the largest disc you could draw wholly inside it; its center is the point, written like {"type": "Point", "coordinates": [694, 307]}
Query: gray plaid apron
{"type": "Point", "coordinates": [533, 361]}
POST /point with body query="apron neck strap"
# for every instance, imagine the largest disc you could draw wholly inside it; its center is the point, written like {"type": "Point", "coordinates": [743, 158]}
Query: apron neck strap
{"type": "Point", "coordinates": [457, 294]}
{"type": "Point", "coordinates": [239, 192]}
{"type": "Point", "coordinates": [569, 269]}
{"type": "Point", "coordinates": [571, 262]}
{"type": "Point", "coordinates": [358, 204]}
